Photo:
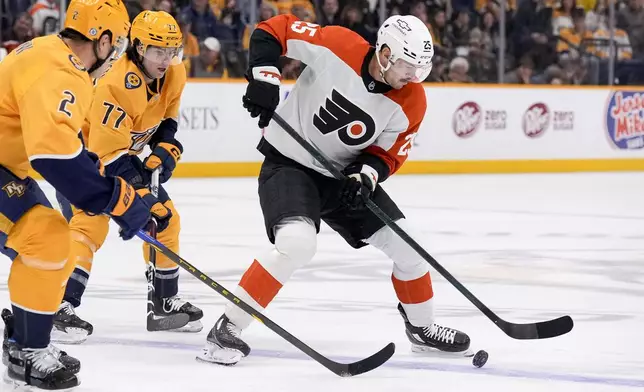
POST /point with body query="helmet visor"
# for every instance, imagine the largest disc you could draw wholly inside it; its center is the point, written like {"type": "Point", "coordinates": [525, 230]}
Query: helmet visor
{"type": "Point", "coordinates": [415, 73]}
{"type": "Point", "coordinates": [160, 55]}
{"type": "Point", "coordinates": [119, 47]}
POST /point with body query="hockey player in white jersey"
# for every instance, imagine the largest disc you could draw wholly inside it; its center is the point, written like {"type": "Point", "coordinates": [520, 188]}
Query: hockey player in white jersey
{"type": "Point", "coordinates": [361, 106]}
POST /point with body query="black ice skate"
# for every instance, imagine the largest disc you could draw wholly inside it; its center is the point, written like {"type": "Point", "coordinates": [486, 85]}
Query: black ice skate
{"type": "Point", "coordinates": [68, 327]}
{"type": "Point", "coordinates": [72, 364]}
{"type": "Point", "coordinates": [39, 368]}
{"type": "Point", "coordinates": [435, 337]}
{"type": "Point", "coordinates": [173, 305]}
{"type": "Point", "coordinates": [223, 344]}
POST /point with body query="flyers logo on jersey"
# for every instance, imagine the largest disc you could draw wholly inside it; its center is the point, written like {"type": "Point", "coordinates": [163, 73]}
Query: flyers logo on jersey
{"type": "Point", "coordinates": [132, 81]}
{"type": "Point", "coordinates": [13, 189]}
{"type": "Point", "coordinates": [353, 125]}
{"type": "Point", "coordinates": [76, 62]}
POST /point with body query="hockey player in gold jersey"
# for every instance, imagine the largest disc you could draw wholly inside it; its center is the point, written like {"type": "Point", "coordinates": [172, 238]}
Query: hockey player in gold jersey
{"type": "Point", "coordinates": [136, 104]}
{"type": "Point", "coordinates": [45, 94]}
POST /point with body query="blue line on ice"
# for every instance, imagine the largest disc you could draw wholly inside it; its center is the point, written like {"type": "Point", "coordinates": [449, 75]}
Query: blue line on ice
{"type": "Point", "coordinates": [398, 364]}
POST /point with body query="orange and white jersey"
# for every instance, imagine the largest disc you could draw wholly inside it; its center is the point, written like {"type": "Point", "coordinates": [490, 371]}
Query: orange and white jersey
{"type": "Point", "coordinates": [45, 93]}
{"type": "Point", "coordinates": [335, 105]}
{"type": "Point", "coordinates": [125, 112]}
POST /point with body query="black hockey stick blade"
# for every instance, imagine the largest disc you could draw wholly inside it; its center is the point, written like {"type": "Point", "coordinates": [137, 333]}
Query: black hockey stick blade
{"type": "Point", "coordinates": [341, 369]}
{"type": "Point", "coordinates": [541, 330]}
{"type": "Point", "coordinates": [367, 364]}
{"type": "Point", "coordinates": [166, 323]}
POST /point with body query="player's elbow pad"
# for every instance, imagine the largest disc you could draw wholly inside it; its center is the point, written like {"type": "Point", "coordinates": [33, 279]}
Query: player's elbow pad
{"type": "Point", "coordinates": [78, 180]}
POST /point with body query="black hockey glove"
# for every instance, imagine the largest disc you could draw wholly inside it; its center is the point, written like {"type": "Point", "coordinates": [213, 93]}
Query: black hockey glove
{"type": "Point", "coordinates": [262, 93]}
{"type": "Point", "coordinates": [360, 183]}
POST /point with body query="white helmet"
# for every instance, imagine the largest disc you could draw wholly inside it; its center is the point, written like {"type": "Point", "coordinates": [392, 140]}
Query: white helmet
{"type": "Point", "coordinates": [411, 45]}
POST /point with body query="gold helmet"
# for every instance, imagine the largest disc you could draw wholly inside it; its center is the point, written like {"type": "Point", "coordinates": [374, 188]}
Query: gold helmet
{"type": "Point", "coordinates": [92, 18]}
{"type": "Point", "coordinates": [156, 29]}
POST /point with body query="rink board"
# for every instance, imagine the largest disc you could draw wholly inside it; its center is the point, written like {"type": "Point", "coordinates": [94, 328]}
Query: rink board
{"type": "Point", "coordinates": [466, 130]}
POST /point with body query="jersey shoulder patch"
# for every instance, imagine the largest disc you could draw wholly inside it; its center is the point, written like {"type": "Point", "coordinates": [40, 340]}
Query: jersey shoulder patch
{"type": "Point", "coordinates": [132, 81]}
{"type": "Point", "coordinates": [77, 63]}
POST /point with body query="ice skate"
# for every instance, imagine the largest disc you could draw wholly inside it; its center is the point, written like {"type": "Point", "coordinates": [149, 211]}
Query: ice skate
{"type": "Point", "coordinates": [68, 327]}
{"type": "Point", "coordinates": [31, 369]}
{"type": "Point", "coordinates": [436, 338]}
{"type": "Point", "coordinates": [223, 344]}
{"type": "Point", "coordinates": [173, 305]}
{"type": "Point", "coordinates": [71, 363]}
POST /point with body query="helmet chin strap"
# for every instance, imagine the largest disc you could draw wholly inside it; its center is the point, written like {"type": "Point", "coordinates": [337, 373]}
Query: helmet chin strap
{"type": "Point", "coordinates": [138, 61]}
{"type": "Point", "coordinates": [99, 61]}
{"type": "Point", "coordinates": [382, 69]}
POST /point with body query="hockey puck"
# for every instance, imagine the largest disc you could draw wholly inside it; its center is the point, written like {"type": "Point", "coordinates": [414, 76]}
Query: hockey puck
{"type": "Point", "coordinates": [480, 358]}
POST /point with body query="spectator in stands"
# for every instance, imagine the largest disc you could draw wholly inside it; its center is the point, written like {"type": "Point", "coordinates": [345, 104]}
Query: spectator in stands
{"type": "Point", "coordinates": [438, 30]}
{"type": "Point", "coordinates": [571, 41]}
{"type": "Point", "coordinates": [598, 16]}
{"type": "Point", "coordinates": [352, 18]}
{"type": "Point", "coordinates": [489, 32]}
{"type": "Point", "coordinates": [46, 17]}
{"type": "Point", "coordinates": [439, 71]}
{"type": "Point", "coordinates": [458, 69]}
{"type": "Point", "coordinates": [532, 32]}
{"type": "Point", "coordinates": [165, 5]}
{"type": "Point", "coordinates": [9, 11]}
{"type": "Point", "coordinates": [552, 75]}
{"type": "Point", "coordinates": [303, 11]}
{"type": "Point", "coordinates": [521, 74]}
{"type": "Point", "coordinates": [631, 19]}
{"type": "Point", "coordinates": [266, 11]}
{"type": "Point", "coordinates": [562, 17]}
{"type": "Point", "coordinates": [482, 61]}
{"type": "Point", "coordinates": [459, 30]}
{"type": "Point", "coordinates": [209, 64]}
{"type": "Point", "coordinates": [203, 20]}
{"type": "Point", "coordinates": [22, 31]}
{"type": "Point", "coordinates": [330, 13]}
{"type": "Point", "coordinates": [190, 42]}
{"type": "Point", "coordinates": [135, 7]}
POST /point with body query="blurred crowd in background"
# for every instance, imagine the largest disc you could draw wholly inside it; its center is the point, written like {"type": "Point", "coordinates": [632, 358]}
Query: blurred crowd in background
{"type": "Point", "coordinates": [572, 42]}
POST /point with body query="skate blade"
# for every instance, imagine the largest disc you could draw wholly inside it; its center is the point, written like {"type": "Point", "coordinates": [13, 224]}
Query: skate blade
{"type": "Point", "coordinates": [191, 327]}
{"type": "Point", "coordinates": [11, 384]}
{"type": "Point", "coordinates": [69, 336]}
{"type": "Point", "coordinates": [213, 353]}
{"type": "Point", "coordinates": [430, 351]}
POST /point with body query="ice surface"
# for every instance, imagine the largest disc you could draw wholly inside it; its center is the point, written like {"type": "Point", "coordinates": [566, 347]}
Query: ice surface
{"type": "Point", "coordinates": [532, 247]}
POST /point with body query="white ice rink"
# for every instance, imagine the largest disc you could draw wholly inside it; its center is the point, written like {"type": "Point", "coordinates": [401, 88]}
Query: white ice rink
{"type": "Point", "coordinates": [532, 247]}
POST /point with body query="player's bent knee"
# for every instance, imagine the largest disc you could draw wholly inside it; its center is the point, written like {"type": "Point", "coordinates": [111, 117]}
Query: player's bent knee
{"type": "Point", "coordinates": [407, 262]}
{"type": "Point", "coordinates": [296, 239]}
{"type": "Point", "coordinates": [41, 239]}
{"type": "Point", "coordinates": [89, 230]}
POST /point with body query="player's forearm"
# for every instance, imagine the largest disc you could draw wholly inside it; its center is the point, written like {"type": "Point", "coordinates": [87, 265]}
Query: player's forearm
{"type": "Point", "coordinates": [78, 180]}
{"type": "Point", "coordinates": [165, 133]}
{"type": "Point", "coordinates": [376, 162]}
{"type": "Point", "coordinates": [264, 49]}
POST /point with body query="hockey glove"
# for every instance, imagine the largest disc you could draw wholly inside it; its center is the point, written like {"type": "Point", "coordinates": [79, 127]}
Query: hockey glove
{"type": "Point", "coordinates": [262, 93]}
{"type": "Point", "coordinates": [161, 213]}
{"type": "Point", "coordinates": [165, 154]}
{"type": "Point", "coordinates": [130, 168]}
{"type": "Point", "coordinates": [358, 186]}
{"type": "Point", "coordinates": [127, 209]}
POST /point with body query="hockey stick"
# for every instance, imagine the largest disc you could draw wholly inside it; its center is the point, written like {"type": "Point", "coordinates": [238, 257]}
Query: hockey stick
{"type": "Point", "coordinates": [155, 323]}
{"type": "Point", "coordinates": [540, 330]}
{"type": "Point", "coordinates": [341, 369]}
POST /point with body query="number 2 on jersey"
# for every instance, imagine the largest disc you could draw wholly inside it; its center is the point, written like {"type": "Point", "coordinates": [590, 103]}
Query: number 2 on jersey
{"type": "Point", "coordinates": [110, 108]}
{"type": "Point", "coordinates": [69, 99]}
